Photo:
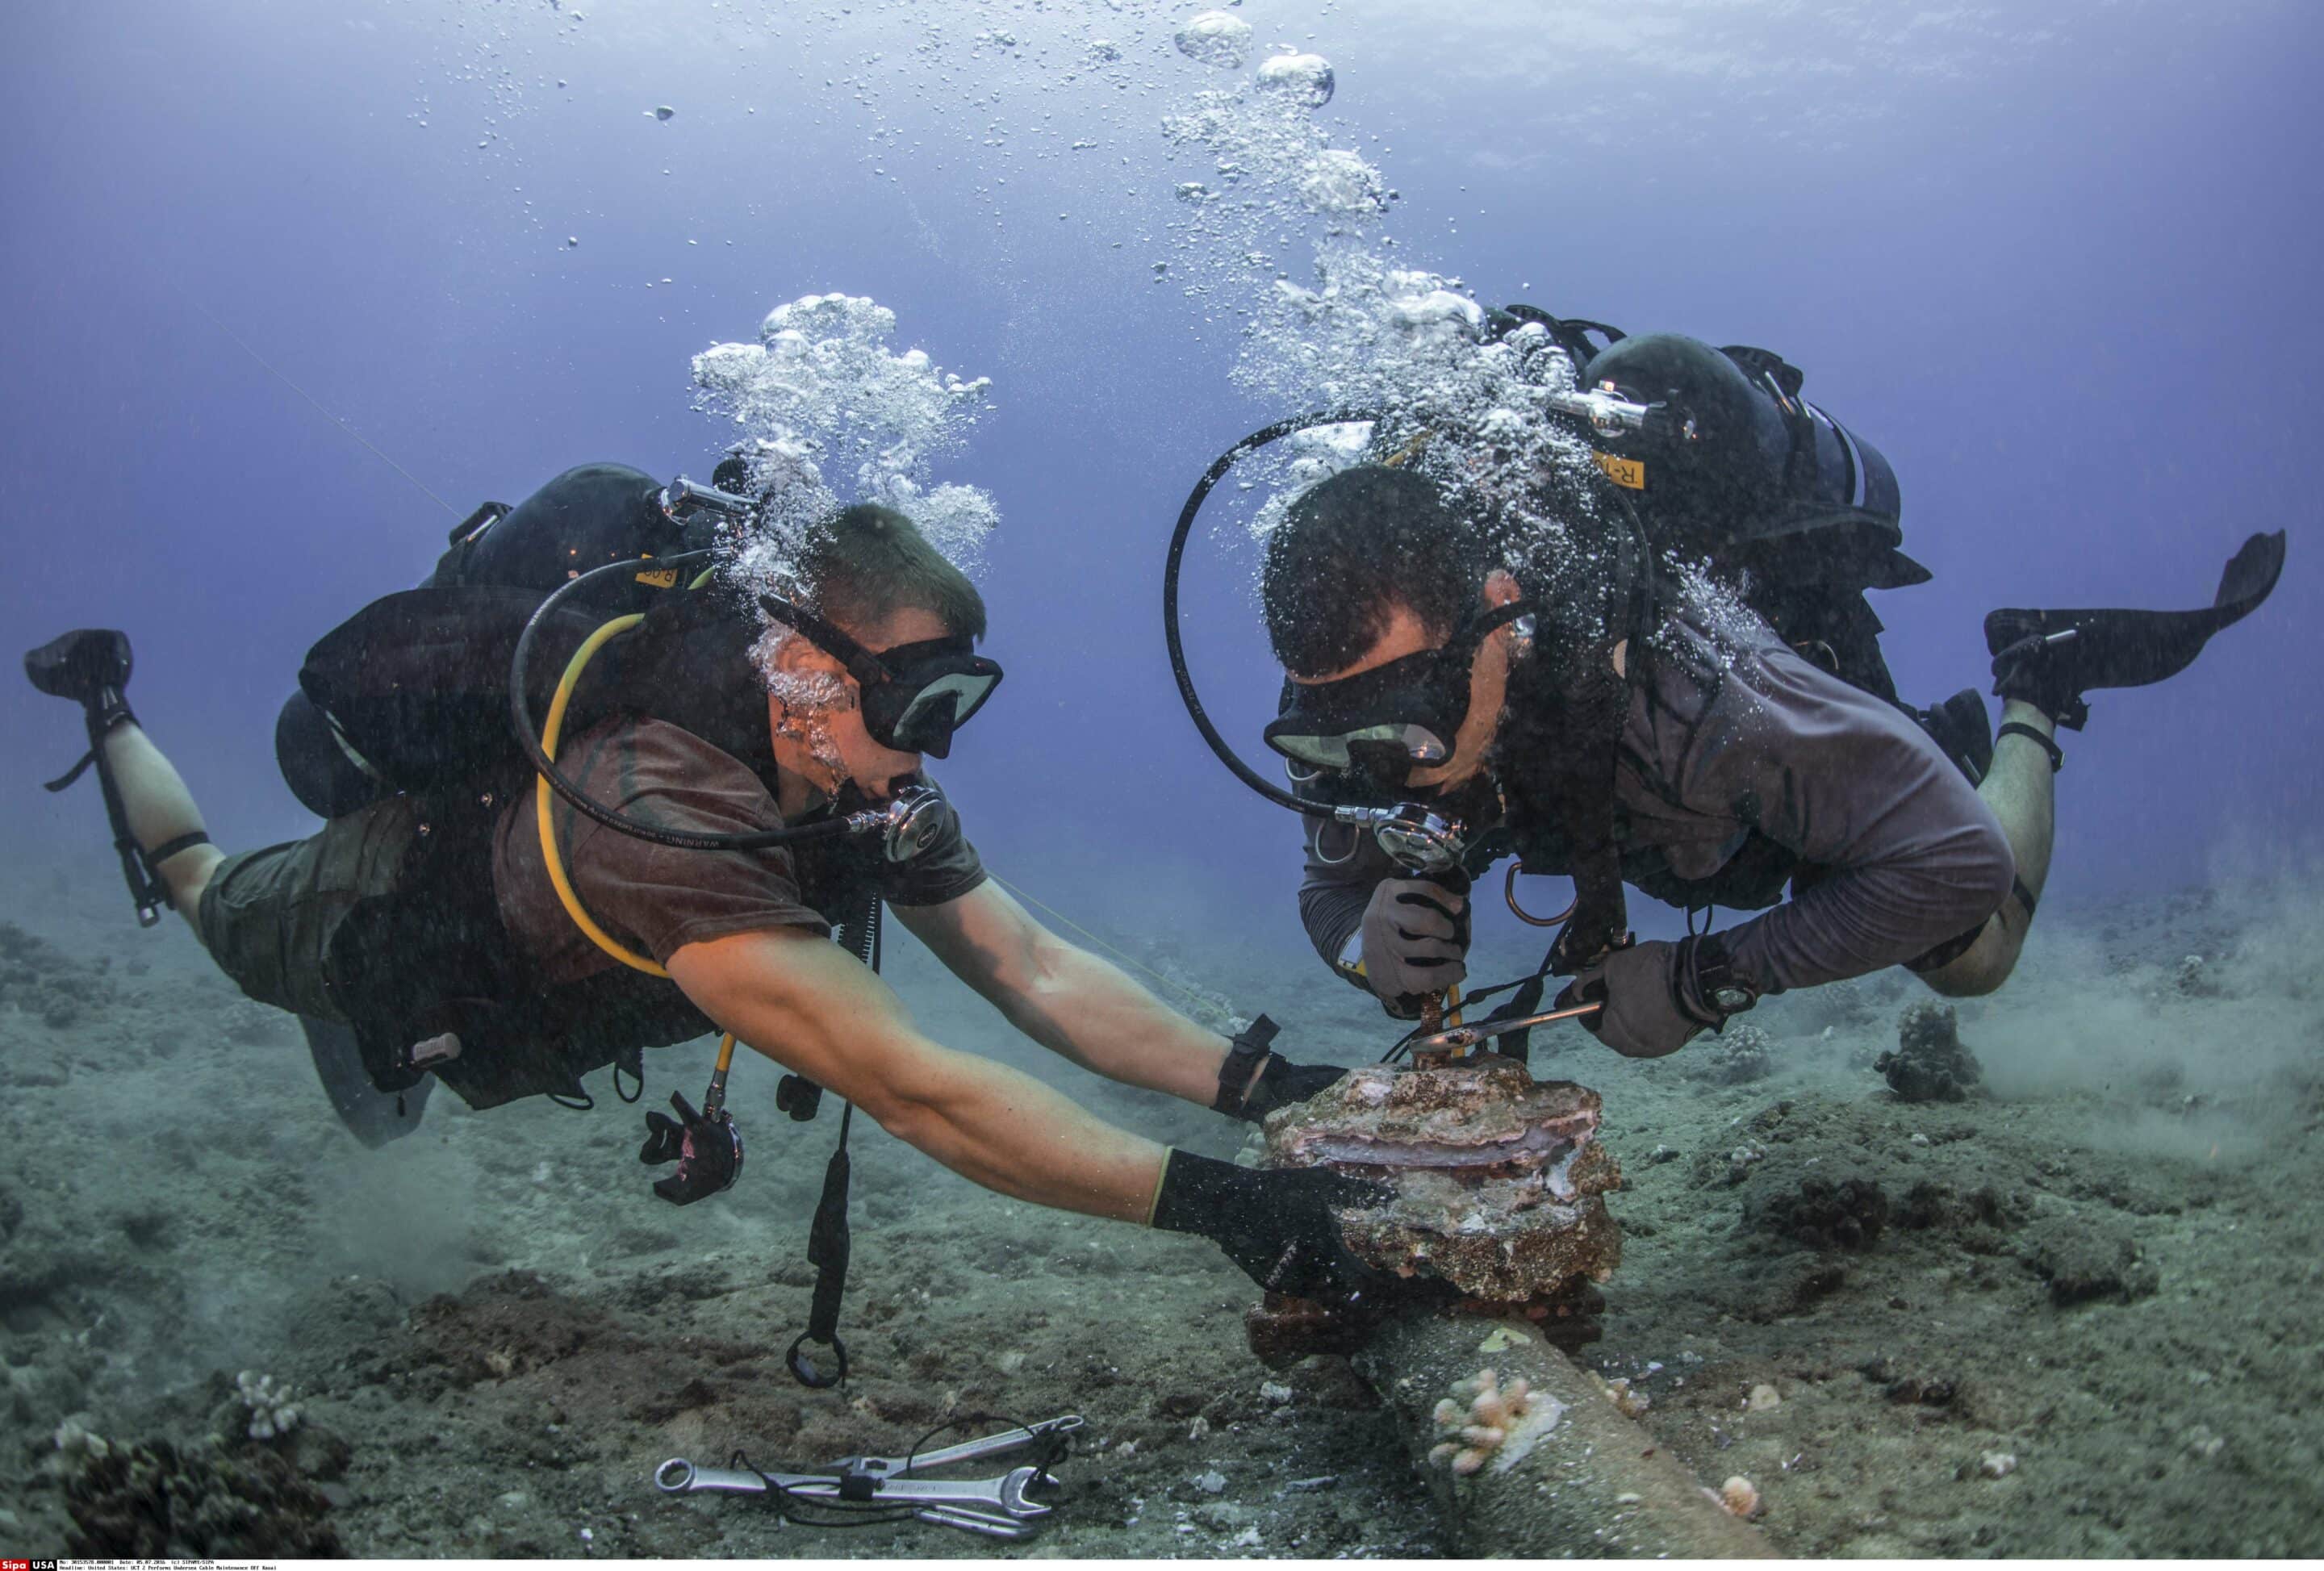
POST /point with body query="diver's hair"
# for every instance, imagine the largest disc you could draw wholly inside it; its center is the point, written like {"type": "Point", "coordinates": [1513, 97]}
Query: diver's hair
{"type": "Point", "coordinates": [864, 563]}
{"type": "Point", "coordinates": [1352, 548]}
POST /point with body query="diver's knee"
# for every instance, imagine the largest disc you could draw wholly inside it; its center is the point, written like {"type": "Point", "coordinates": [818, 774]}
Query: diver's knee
{"type": "Point", "coordinates": [1962, 980]}
{"type": "Point", "coordinates": [1988, 965]}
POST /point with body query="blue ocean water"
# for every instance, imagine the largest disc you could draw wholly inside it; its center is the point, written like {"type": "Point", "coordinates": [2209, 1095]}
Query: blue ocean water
{"type": "Point", "coordinates": [290, 287]}
{"type": "Point", "coordinates": [2058, 262]}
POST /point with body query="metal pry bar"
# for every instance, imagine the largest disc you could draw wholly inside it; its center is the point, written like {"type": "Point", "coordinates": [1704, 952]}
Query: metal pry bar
{"type": "Point", "coordinates": [1460, 1038]}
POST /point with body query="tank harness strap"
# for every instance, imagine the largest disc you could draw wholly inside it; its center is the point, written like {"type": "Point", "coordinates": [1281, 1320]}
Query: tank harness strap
{"type": "Point", "coordinates": [1579, 778]}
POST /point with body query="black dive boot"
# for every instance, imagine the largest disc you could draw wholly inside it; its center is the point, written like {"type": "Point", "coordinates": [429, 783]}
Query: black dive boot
{"type": "Point", "coordinates": [1964, 730]}
{"type": "Point", "coordinates": [2050, 659]}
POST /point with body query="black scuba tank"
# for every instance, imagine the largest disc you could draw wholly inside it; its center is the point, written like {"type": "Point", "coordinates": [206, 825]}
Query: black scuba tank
{"type": "Point", "coordinates": [1741, 469]}
{"type": "Point", "coordinates": [588, 516]}
{"type": "Point", "coordinates": [413, 689]}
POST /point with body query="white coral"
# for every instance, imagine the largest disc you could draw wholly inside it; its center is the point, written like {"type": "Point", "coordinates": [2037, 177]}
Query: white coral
{"type": "Point", "coordinates": [1487, 1421]}
{"type": "Point", "coordinates": [75, 1440]}
{"type": "Point", "coordinates": [273, 1412]}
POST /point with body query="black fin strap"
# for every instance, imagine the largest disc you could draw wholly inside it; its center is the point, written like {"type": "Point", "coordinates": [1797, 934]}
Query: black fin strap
{"type": "Point", "coordinates": [2048, 744]}
{"type": "Point", "coordinates": [72, 774]}
{"type": "Point", "coordinates": [168, 848]}
{"type": "Point", "coordinates": [2025, 896]}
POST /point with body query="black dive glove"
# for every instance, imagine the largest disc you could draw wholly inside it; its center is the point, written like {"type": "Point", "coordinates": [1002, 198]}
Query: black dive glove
{"type": "Point", "coordinates": [1254, 1082]}
{"type": "Point", "coordinates": [1656, 997]}
{"type": "Point", "coordinates": [1275, 1222]}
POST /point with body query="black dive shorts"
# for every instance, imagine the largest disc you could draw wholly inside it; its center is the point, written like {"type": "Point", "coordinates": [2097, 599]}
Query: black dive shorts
{"type": "Point", "coordinates": [268, 916]}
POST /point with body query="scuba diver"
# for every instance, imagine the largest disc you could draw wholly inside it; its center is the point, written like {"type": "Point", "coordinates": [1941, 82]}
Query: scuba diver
{"type": "Point", "coordinates": [1686, 695]}
{"type": "Point", "coordinates": [739, 773]}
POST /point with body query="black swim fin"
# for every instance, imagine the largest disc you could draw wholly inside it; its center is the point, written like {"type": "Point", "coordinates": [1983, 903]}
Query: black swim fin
{"type": "Point", "coordinates": [90, 665]}
{"type": "Point", "coordinates": [2050, 659]}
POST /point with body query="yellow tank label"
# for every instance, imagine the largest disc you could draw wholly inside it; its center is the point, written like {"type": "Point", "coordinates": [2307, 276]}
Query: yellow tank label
{"type": "Point", "coordinates": [1628, 473]}
{"type": "Point", "coordinates": [661, 578]}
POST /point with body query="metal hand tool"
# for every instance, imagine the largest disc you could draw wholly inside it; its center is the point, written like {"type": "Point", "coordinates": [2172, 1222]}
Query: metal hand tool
{"type": "Point", "coordinates": [1005, 1496]}
{"type": "Point", "coordinates": [998, 1445]}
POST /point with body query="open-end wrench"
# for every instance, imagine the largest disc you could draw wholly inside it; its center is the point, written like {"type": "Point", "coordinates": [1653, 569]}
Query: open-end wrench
{"type": "Point", "coordinates": [1006, 1495]}
{"type": "Point", "coordinates": [966, 1451]}
{"type": "Point", "coordinates": [679, 1476]}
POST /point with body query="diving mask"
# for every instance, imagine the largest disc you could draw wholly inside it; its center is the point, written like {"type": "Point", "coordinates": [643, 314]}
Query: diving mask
{"type": "Point", "coordinates": [915, 695]}
{"type": "Point", "coordinates": [1381, 725]}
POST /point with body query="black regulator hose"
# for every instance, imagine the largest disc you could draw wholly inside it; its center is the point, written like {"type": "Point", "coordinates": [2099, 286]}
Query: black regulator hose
{"type": "Point", "coordinates": [527, 738]}
{"type": "Point", "coordinates": [1201, 494]}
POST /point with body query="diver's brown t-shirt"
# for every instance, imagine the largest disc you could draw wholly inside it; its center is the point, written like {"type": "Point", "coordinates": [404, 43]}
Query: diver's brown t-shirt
{"type": "Point", "coordinates": [657, 898]}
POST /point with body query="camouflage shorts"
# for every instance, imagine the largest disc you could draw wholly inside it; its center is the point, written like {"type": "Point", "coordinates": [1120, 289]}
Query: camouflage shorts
{"type": "Point", "coordinates": [268, 916]}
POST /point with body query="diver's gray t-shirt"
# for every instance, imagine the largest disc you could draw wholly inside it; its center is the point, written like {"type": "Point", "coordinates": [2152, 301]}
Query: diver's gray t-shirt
{"type": "Point", "coordinates": [1741, 734]}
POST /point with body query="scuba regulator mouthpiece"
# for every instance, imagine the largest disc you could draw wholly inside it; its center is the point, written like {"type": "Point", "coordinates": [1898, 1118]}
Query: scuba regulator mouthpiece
{"type": "Point", "coordinates": [1416, 838]}
{"type": "Point", "coordinates": [907, 824]}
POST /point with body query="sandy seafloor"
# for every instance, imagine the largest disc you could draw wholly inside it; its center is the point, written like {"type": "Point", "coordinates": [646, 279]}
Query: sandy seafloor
{"type": "Point", "coordinates": [2106, 1267]}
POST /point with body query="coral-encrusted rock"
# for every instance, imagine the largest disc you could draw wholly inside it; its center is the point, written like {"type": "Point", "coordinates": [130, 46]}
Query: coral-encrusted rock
{"type": "Point", "coordinates": [153, 1502]}
{"type": "Point", "coordinates": [1735, 1057]}
{"type": "Point", "coordinates": [1498, 1178]}
{"type": "Point", "coordinates": [1825, 1216]}
{"type": "Point", "coordinates": [1930, 1063]}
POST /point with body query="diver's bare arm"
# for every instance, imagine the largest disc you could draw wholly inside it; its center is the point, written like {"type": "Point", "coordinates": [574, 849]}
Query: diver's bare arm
{"type": "Point", "coordinates": [1067, 998]}
{"type": "Point", "coordinates": [804, 1002]}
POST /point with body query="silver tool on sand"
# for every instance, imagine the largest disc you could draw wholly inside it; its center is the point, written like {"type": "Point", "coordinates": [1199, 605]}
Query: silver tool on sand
{"type": "Point", "coordinates": [999, 1507]}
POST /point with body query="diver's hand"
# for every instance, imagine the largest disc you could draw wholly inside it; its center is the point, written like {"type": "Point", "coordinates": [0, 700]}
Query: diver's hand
{"type": "Point", "coordinates": [1642, 1015]}
{"type": "Point", "coordinates": [1276, 1223]}
{"type": "Point", "coordinates": [1416, 942]}
{"type": "Point", "coordinates": [1282, 1083]}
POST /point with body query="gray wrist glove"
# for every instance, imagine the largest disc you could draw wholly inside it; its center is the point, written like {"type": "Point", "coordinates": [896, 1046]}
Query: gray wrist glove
{"type": "Point", "coordinates": [1415, 941]}
{"type": "Point", "coordinates": [1643, 1015]}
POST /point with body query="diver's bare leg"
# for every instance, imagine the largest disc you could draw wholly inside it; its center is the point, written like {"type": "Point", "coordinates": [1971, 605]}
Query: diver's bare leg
{"type": "Point", "coordinates": [2021, 790]}
{"type": "Point", "coordinates": [161, 810]}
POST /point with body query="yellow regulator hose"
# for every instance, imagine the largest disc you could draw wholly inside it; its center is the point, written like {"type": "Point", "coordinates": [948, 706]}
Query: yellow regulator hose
{"type": "Point", "coordinates": [542, 796]}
